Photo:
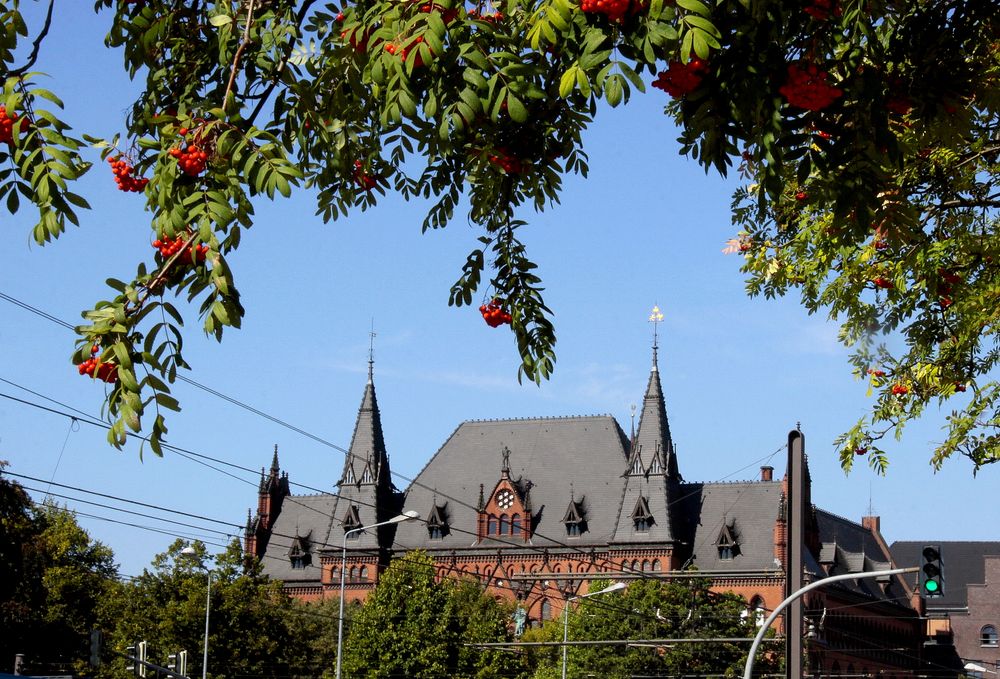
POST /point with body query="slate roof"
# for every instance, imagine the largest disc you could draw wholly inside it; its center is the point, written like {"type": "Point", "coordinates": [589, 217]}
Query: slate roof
{"type": "Point", "coordinates": [751, 507]}
{"type": "Point", "coordinates": [848, 547]}
{"type": "Point", "coordinates": [589, 451]}
{"type": "Point", "coordinates": [963, 565]}
{"type": "Point", "coordinates": [301, 515]}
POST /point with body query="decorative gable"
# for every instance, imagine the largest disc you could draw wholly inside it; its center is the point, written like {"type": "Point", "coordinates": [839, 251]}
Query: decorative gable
{"type": "Point", "coordinates": [728, 542]}
{"type": "Point", "coordinates": [641, 516]}
{"type": "Point", "coordinates": [507, 512]}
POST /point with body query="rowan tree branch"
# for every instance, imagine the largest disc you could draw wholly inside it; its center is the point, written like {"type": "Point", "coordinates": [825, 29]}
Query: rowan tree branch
{"type": "Point", "coordinates": [35, 46]}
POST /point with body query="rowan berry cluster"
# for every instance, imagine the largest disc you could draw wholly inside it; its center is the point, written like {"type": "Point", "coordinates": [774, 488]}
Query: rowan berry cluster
{"type": "Point", "coordinates": [168, 248]}
{"type": "Point", "coordinates": [493, 314]}
{"type": "Point", "coordinates": [900, 389]}
{"type": "Point", "coordinates": [494, 18]}
{"type": "Point", "coordinates": [681, 79]}
{"type": "Point", "coordinates": [505, 161]}
{"type": "Point", "coordinates": [807, 87]}
{"type": "Point", "coordinates": [876, 372]}
{"type": "Point", "coordinates": [7, 125]}
{"type": "Point", "coordinates": [190, 157]}
{"type": "Point", "coordinates": [362, 178]}
{"type": "Point", "coordinates": [447, 15]}
{"type": "Point", "coordinates": [94, 367]}
{"type": "Point", "coordinates": [821, 10]}
{"type": "Point", "coordinates": [615, 10]}
{"type": "Point", "coordinates": [404, 51]}
{"type": "Point", "coordinates": [123, 175]}
{"type": "Point", "coordinates": [882, 282]}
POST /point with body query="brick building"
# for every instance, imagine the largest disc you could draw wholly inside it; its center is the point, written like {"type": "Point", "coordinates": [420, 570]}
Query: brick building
{"type": "Point", "coordinates": [534, 508]}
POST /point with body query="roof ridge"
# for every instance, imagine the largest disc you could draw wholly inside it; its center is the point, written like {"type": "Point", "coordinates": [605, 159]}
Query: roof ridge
{"type": "Point", "coordinates": [538, 418]}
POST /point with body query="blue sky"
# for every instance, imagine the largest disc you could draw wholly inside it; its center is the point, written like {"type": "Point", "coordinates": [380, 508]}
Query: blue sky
{"type": "Point", "coordinates": [647, 227]}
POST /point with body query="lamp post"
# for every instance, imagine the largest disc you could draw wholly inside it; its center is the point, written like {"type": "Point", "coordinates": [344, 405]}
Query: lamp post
{"type": "Point", "coordinates": [190, 552]}
{"type": "Point", "coordinates": [405, 516]}
{"type": "Point", "coordinates": [610, 588]}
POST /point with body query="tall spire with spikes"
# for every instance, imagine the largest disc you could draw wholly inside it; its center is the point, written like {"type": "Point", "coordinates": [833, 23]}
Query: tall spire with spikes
{"type": "Point", "coordinates": [274, 460]}
{"type": "Point", "coordinates": [653, 435]}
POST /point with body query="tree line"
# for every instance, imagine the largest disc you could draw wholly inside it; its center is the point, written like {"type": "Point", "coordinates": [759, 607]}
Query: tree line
{"type": "Point", "coordinates": [57, 584]}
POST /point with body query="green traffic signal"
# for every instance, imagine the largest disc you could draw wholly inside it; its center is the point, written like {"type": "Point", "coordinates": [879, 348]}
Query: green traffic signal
{"type": "Point", "coordinates": [931, 574]}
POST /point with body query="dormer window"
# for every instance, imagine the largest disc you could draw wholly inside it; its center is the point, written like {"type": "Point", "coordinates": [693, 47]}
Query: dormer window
{"type": "Point", "coordinates": [641, 516]}
{"type": "Point", "coordinates": [352, 521]}
{"type": "Point", "coordinates": [729, 546]}
{"type": "Point", "coordinates": [298, 553]}
{"type": "Point", "coordinates": [574, 519]}
{"type": "Point", "coordinates": [437, 522]}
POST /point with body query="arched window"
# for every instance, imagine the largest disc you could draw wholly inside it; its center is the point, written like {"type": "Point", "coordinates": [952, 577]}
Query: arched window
{"type": "Point", "coordinates": [656, 566]}
{"type": "Point", "coordinates": [988, 636]}
{"type": "Point", "coordinates": [491, 526]}
{"type": "Point", "coordinates": [635, 564]}
{"type": "Point", "coordinates": [645, 565]}
{"type": "Point", "coordinates": [504, 524]}
{"type": "Point", "coordinates": [515, 525]}
{"type": "Point", "coordinates": [364, 574]}
{"type": "Point", "coordinates": [757, 610]}
{"type": "Point", "coordinates": [352, 574]}
{"type": "Point", "coordinates": [546, 612]}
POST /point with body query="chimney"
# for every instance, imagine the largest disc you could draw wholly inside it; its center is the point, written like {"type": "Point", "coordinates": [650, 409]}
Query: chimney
{"type": "Point", "coordinates": [766, 473]}
{"type": "Point", "coordinates": [871, 523]}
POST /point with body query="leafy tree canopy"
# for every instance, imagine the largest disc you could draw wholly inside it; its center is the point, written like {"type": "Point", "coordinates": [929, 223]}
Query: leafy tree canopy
{"type": "Point", "coordinates": [866, 130]}
{"type": "Point", "coordinates": [414, 625]}
{"type": "Point", "coordinates": [52, 578]}
{"type": "Point", "coordinates": [165, 606]}
{"type": "Point", "coordinates": [655, 609]}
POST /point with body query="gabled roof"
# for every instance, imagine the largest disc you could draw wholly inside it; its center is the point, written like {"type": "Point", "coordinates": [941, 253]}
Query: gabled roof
{"type": "Point", "coordinates": [310, 515]}
{"type": "Point", "coordinates": [590, 450]}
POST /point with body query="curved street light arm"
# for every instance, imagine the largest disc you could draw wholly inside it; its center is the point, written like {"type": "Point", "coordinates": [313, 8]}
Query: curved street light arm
{"type": "Point", "coordinates": [748, 669]}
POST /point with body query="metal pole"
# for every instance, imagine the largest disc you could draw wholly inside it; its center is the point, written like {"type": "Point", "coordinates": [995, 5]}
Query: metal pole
{"type": "Point", "coordinates": [610, 588]}
{"type": "Point", "coordinates": [340, 617]}
{"type": "Point", "coordinates": [208, 608]}
{"type": "Point", "coordinates": [404, 516]}
{"type": "Point", "coordinates": [748, 669]}
{"type": "Point", "coordinates": [565, 634]}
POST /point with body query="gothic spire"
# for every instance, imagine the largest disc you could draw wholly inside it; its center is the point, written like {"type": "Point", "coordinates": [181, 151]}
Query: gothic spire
{"type": "Point", "coordinates": [367, 444]}
{"type": "Point", "coordinates": [653, 436]}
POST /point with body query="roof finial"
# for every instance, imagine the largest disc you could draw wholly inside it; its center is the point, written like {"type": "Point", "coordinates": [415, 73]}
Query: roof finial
{"type": "Point", "coordinates": [506, 460]}
{"type": "Point", "coordinates": [632, 408]}
{"type": "Point", "coordinates": [274, 460]}
{"type": "Point", "coordinates": [655, 318]}
{"type": "Point", "coordinates": [571, 496]}
{"type": "Point", "coordinates": [371, 351]}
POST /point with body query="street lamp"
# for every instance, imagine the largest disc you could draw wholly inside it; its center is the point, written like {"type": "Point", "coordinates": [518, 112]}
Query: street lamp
{"type": "Point", "coordinates": [610, 588]}
{"type": "Point", "coordinates": [189, 551]}
{"type": "Point", "coordinates": [405, 516]}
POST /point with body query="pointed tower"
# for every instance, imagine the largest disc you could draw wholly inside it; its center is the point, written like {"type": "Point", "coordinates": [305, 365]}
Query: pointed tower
{"type": "Point", "coordinates": [648, 513]}
{"type": "Point", "coordinates": [652, 448]}
{"type": "Point", "coordinates": [365, 492]}
{"type": "Point", "coordinates": [271, 493]}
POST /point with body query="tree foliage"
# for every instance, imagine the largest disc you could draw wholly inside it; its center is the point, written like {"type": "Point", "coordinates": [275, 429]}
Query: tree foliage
{"type": "Point", "coordinates": [52, 580]}
{"type": "Point", "coordinates": [414, 625]}
{"type": "Point", "coordinates": [867, 131]}
{"type": "Point", "coordinates": [654, 609]}
{"type": "Point", "coordinates": [165, 606]}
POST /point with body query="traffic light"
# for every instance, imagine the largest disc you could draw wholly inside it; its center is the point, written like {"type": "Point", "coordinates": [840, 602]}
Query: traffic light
{"type": "Point", "coordinates": [182, 663]}
{"type": "Point", "coordinates": [143, 651]}
{"type": "Point", "coordinates": [130, 659]}
{"type": "Point", "coordinates": [931, 572]}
